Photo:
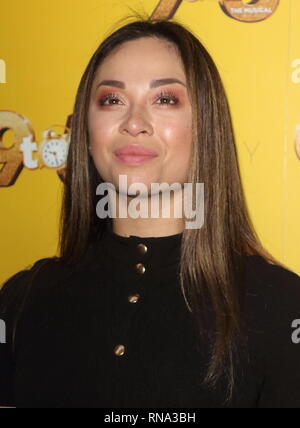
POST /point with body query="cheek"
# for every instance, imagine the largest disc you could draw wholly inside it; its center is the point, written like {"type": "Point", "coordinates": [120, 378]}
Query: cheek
{"type": "Point", "coordinates": [100, 131]}
{"type": "Point", "coordinates": [177, 136]}
{"type": "Point", "coordinates": [100, 140]}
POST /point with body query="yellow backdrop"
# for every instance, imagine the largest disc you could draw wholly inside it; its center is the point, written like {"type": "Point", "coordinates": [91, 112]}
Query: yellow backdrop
{"type": "Point", "coordinates": [45, 47]}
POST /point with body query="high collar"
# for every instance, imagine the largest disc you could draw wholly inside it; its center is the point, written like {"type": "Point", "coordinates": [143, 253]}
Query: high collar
{"type": "Point", "coordinates": [158, 255]}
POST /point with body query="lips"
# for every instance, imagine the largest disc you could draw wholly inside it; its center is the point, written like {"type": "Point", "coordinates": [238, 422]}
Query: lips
{"type": "Point", "coordinates": [139, 151]}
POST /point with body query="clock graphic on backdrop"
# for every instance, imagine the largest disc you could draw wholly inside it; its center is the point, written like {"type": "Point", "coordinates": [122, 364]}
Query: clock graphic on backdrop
{"type": "Point", "coordinates": [54, 148]}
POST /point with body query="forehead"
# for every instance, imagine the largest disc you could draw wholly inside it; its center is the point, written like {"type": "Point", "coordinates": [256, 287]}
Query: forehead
{"type": "Point", "coordinates": [142, 58]}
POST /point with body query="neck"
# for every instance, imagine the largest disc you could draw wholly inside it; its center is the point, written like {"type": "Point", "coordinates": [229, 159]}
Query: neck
{"type": "Point", "coordinates": [164, 224]}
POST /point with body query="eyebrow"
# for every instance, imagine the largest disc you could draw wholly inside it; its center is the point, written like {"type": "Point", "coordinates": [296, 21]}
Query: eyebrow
{"type": "Point", "coordinates": [153, 83]}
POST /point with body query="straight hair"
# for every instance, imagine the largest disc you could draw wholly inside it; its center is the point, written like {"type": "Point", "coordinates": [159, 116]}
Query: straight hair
{"type": "Point", "coordinates": [212, 261]}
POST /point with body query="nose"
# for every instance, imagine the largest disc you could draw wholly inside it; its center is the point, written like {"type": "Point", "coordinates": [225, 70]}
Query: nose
{"type": "Point", "coordinates": [136, 123]}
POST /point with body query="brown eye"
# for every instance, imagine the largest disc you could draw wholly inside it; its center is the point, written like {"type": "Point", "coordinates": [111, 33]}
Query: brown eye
{"type": "Point", "coordinates": [168, 98]}
{"type": "Point", "coordinates": [110, 99]}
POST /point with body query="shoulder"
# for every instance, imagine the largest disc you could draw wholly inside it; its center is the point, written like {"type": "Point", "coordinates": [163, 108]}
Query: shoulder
{"type": "Point", "coordinates": [37, 276]}
{"type": "Point", "coordinates": [44, 279]}
{"type": "Point", "coordinates": [46, 275]}
{"type": "Point", "coordinates": [273, 321]}
{"type": "Point", "coordinates": [272, 281]}
{"type": "Point", "coordinates": [259, 267]}
{"type": "Point", "coordinates": [272, 301]}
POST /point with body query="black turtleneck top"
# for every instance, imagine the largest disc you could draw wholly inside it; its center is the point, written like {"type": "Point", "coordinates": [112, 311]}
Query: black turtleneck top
{"type": "Point", "coordinates": [115, 332]}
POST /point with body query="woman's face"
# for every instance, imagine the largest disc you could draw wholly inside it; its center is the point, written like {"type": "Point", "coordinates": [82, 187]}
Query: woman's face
{"type": "Point", "coordinates": [141, 112]}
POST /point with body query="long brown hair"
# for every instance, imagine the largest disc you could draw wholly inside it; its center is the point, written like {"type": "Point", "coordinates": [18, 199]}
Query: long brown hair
{"type": "Point", "coordinates": [213, 257]}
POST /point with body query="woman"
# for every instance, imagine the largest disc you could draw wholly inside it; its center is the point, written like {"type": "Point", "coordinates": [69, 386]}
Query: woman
{"type": "Point", "coordinates": [143, 312]}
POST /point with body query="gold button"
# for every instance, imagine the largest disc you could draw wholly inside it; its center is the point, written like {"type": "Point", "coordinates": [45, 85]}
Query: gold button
{"type": "Point", "coordinates": [120, 350]}
{"type": "Point", "coordinates": [142, 249]}
{"type": "Point", "coordinates": [134, 298]}
{"type": "Point", "coordinates": [140, 268]}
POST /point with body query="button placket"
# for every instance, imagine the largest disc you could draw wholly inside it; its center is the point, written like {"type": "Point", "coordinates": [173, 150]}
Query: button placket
{"type": "Point", "coordinates": [142, 250]}
{"type": "Point", "coordinates": [134, 298]}
{"type": "Point", "coordinates": [140, 269]}
{"type": "Point", "coordinates": [119, 350]}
